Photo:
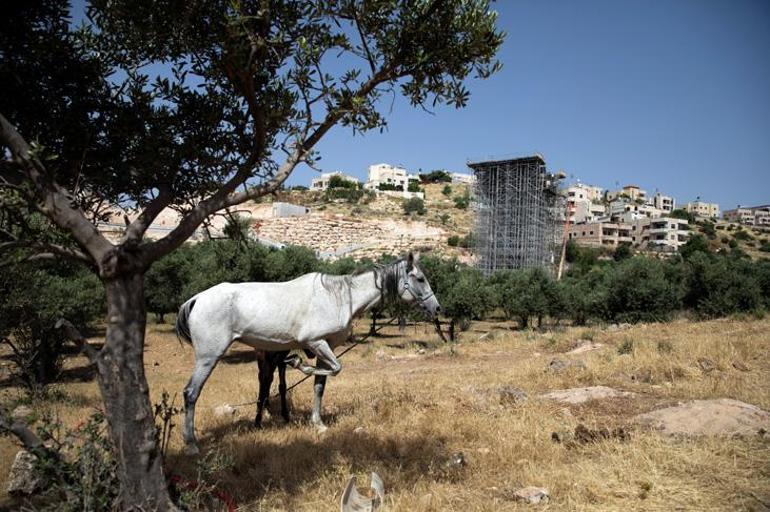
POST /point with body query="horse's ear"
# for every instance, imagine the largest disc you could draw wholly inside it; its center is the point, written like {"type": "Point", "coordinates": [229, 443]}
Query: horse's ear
{"type": "Point", "coordinates": [410, 259]}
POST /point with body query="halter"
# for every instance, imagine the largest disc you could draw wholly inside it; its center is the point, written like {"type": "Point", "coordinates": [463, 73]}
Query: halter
{"type": "Point", "coordinates": [420, 300]}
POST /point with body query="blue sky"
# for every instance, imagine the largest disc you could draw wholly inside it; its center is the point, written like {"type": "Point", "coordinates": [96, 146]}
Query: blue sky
{"type": "Point", "coordinates": [671, 95]}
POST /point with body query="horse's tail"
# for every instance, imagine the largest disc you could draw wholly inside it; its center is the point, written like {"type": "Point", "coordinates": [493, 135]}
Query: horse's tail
{"type": "Point", "coordinates": [182, 321]}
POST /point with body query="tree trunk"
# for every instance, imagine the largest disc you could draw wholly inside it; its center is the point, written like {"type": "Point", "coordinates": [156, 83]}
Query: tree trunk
{"type": "Point", "coordinates": [452, 330]}
{"type": "Point", "coordinates": [125, 392]}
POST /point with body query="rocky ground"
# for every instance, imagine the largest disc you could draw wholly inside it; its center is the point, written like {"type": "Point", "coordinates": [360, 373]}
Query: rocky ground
{"type": "Point", "coordinates": [647, 417]}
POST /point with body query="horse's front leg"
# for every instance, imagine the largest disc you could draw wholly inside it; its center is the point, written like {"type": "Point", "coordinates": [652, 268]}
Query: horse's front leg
{"type": "Point", "coordinates": [318, 394]}
{"type": "Point", "coordinates": [327, 361]}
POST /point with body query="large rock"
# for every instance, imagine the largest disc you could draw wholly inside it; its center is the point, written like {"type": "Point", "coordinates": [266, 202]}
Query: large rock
{"type": "Point", "coordinates": [707, 417]}
{"type": "Point", "coordinates": [22, 479]}
{"type": "Point", "coordinates": [559, 365]}
{"type": "Point", "coordinates": [581, 395]}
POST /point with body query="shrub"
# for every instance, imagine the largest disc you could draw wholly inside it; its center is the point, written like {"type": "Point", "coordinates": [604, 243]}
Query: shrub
{"type": "Point", "coordinates": [719, 286]}
{"type": "Point", "coordinates": [638, 290]}
{"type": "Point", "coordinates": [695, 244]}
{"type": "Point", "coordinates": [683, 214]}
{"type": "Point", "coordinates": [453, 241]}
{"type": "Point", "coordinates": [733, 243]}
{"type": "Point", "coordinates": [436, 177]}
{"type": "Point", "coordinates": [627, 347]}
{"type": "Point", "coordinates": [414, 186]}
{"type": "Point", "coordinates": [742, 235]}
{"type": "Point", "coordinates": [337, 181]}
{"type": "Point", "coordinates": [447, 190]}
{"type": "Point", "coordinates": [444, 218]}
{"type": "Point", "coordinates": [709, 230]}
{"type": "Point", "coordinates": [462, 201]}
{"type": "Point", "coordinates": [414, 205]}
{"type": "Point", "coordinates": [622, 252]}
{"type": "Point", "coordinates": [32, 299]}
{"type": "Point", "coordinates": [351, 195]}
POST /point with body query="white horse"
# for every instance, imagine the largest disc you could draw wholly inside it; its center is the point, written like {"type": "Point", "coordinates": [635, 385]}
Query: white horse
{"type": "Point", "coordinates": [313, 312]}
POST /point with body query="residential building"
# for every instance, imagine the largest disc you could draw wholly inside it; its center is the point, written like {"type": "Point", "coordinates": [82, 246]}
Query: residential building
{"type": "Point", "coordinates": [664, 203]}
{"type": "Point", "coordinates": [584, 202]}
{"type": "Point", "coordinates": [664, 233]}
{"type": "Point", "coordinates": [398, 177]}
{"type": "Point", "coordinates": [750, 216]}
{"type": "Point", "coordinates": [598, 234]}
{"type": "Point", "coordinates": [459, 177]}
{"type": "Point", "coordinates": [623, 209]}
{"type": "Point", "coordinates": [281, 210]}
{"type": "Point", "coordinates": [703, 209]}
{"type": "Point", "coordinates": [322, 182]}
{"type": "Point", "coordinates": [632, 192]}
{"type": "Point", "coordinates": [388, 174]}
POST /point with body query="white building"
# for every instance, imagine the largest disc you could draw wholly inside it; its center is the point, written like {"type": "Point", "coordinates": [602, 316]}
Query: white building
{"type": "Point", "coordinates": [702, 209]}
{"type": "Point", "coordinates": [666, 204]}
{"type": "Point", "coordinates": [664, 233]}
{"type": "Point", "coordinates": [625, 210]}
{"type": "Point", "coordinates": [584, 202]}
{"type": "Point", "coordinates": [391, 176]}
{"type": "Point", "coordinates": [322, 182]}
{"type": "Point", "coordinates": [459, 177]}
{"type": "Point", "coordinates": [750, 216]}
{"type": "Point", "coordinates": [632, 192]}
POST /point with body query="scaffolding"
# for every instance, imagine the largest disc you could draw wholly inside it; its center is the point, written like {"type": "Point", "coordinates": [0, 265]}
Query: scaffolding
{"type": "Point", "coordinates": [517, 212]}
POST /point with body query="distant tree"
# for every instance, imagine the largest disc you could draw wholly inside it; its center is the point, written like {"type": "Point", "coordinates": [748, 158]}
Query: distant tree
{"type": "Point", "coordinates": [414, 205]}
{"type": "Point", "coordinates": [447, 190]}
{"type": "Point", "coordinates": [465, 297]}
{"type": "Point", "coordinates": [414, 186]}
{"type": "Point", "coordinates": [622, 251]}
{"type": "Point", "coordinates": [524, 294]}
{"type": "Point", "coordinates": [290, 263]}
{"type": "Point", "coordinates": [166, 281]}
{"type": "Point", "coordinates": [338, 181]}
{"type": "Point", "coordinates": [695, 244]}
{"type": "Point", "coordinates": [719, 286]}
{"type": "Point", "coordinates": [462, 201]}
{"type": "Point", "coordinates": [683, 214]}
{"type": "Point", "coordinates": [237, 227]}
{"type": "Point", "coordinates": [436, 177]}
{"type": "Point", "coordinates": [453, 241]}
{"type": "Point", "coordinates": [639, 290]}
{"type": "Point", "coordinates": [389, 186]}
{"type": "Point", "coordinates": [709, 230]}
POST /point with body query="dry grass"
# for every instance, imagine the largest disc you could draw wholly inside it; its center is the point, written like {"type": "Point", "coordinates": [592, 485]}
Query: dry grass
{"type": "Point", "coordinates": [417, 410]}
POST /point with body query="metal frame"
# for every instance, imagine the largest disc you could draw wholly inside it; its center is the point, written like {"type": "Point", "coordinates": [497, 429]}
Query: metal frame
{"type": "Point", "coordinates": [518, 207]}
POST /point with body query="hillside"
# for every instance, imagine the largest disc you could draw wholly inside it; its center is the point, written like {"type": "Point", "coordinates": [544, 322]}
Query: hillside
{"type": "Point", "coordinates": [369, 227]}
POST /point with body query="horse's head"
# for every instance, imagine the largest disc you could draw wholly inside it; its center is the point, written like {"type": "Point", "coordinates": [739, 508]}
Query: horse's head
{"type": "Point", "coordinates": [414, 288]}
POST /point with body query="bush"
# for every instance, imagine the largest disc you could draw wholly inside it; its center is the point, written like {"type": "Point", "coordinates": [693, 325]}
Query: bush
{"type": "Point", "coordinates": [733, 244]}
{"type": "Point", "coordinates": [695, 244]}
{"type": "Point", "coordinates": [765, 247]}
{"type": "Point", "coordinates": [683, 214]}
{"type": "Point", "coordinates": [525, 294]}
{"type": "Point", "coordinates": [622, 252]}
{"type": "Point", "coordinates": [709, 230]}
{"type": "Point", "coordinates": [337, 181]}
{"type": "Point", "coordinates": [32, 299]}
{"type": "Point", "coordinates": [351, 195]}
{"type": "Point", "coordinates": [742, 235]}
{"type": "Point", "coordinates": [414, 186]}
{"type": "Point", "coordinates": [718, 286]}
{"type": "Point", "coordinates": [638, 290]}
{"type": "Point", "coordinates": [436, 177]}
{"type": "Point", "coordinates": [462, 201]}
{"type": "Point", "coordinates": [447, 190]}
{"type": "Point", "coordinates": [414, 205]}
{"type": "Point", "coordinates": [453, 241]}
{"type": "Point", "coordinates": [464, 297]}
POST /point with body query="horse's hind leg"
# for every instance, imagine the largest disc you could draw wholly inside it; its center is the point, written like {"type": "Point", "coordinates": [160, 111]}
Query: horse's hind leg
{"type": "Point", "coordinates": [327, 361]}
{"type": "Point", "coordinates": [318, 394]}
{"type": "Point", "coordinates": [204, 364]}
{"type": "Point", "coordinates": [266, 370]}
{"type": "Point", "coordinates": [282, 389]}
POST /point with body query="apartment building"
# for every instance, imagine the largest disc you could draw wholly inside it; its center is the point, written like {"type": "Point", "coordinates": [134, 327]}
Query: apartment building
{"type": "Point", "coordinates": [584, 203]}
{"type": "Point", "coordinates": [322, 182]}
{"type": "Point", "coordinates": [623, 209]}
{"type": "Point", "coordinates": [601, 234]}
{"type": "Point", "coordinates": [663, 203]}
{"type": "Point", "coordinates": [632, 192]}
{"type": "Point", "coordinates": [386, 174]}
{"type": "Point", "coordinates": [749, 216]}
{"type": "Point", "coordinates": [702, 209]}
{"type": "Point", "coordinates": [462, 178]}
{"type": "Point", "coordinates": [664, 233]}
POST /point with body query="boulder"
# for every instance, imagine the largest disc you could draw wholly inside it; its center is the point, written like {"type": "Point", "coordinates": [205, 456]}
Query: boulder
{"type": "Point", "coordinates": [532, 495]}
{"type": "Point", "coordinates": [721, 416]}
{"type": "Point", "coordinates": [22, 479]}
{"type": "Point", "coordinates": [585, 346]}
{"type": "Point", "coordinates": [559, 365]}
{"type": "Point", "coordinates": [511, 395]}
{"type": "Point", "coordinates": [581, 395]}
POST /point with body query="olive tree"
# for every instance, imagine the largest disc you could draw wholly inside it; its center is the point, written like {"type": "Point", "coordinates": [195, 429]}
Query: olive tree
{"type": "Point", "coordinates": [197, 106]}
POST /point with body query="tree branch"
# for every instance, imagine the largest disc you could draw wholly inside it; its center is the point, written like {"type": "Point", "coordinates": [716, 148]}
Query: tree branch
{"type": "Point", "coordinates": [56, 202]}
{"type": "Point", "coordinates": [74, 335]}
{"type": "Point", "coordinates": [46, 248]}
{"type": "Point", "coordinates": [138, 227]}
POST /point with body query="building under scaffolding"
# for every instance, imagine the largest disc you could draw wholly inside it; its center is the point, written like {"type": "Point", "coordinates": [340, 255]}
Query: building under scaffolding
{"type": "Point", "coordinates": [517, 204]}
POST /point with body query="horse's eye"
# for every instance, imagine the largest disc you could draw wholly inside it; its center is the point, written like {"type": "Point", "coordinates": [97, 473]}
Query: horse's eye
{"type": "Point", "coordinates": [420, 279]}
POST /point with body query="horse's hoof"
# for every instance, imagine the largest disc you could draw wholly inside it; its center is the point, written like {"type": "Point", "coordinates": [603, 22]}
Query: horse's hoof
{"type": "Point", "coordinates": [192, 449]}
{"type": "Point", "coordinates": [320, 427]}
{"type": "Point", "coordinates": [257, 426]}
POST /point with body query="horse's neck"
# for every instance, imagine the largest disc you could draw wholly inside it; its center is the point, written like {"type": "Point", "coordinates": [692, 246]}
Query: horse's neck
{"type": "Point", "coordinates": [365, 292]}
